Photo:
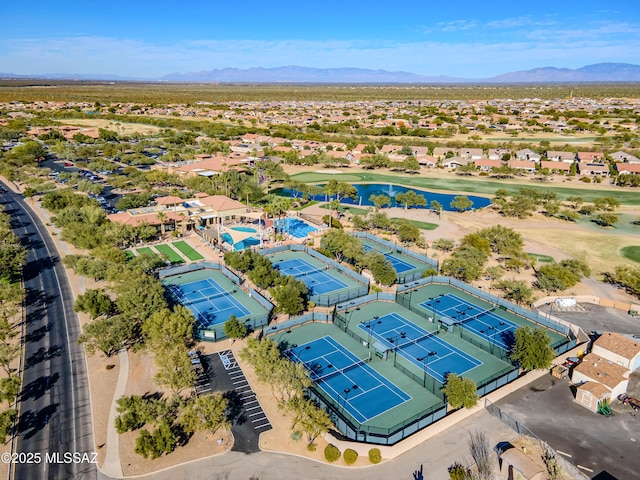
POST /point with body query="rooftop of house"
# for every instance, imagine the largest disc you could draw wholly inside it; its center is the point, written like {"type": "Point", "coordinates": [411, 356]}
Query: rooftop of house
{"type": "Point", "coordinates": [602, 370]}
{"type": "Point", "coordinates": [620, 344]}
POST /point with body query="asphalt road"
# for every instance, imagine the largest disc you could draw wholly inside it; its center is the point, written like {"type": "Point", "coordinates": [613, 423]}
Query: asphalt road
{"type": "Point", "coordinates": [54, 410]}
{"type": "Point", "coordinates": [609, 447]}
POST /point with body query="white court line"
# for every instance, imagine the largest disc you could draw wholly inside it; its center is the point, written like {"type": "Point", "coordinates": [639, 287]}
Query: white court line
{"type": "Point", "coordinates": [585, 468]}
{"type": "Point", "coordinates": [252, 408]}
{"type": "Point", "coordinates": [564, 453]}
{"type": "Point", "coordinates": [257, 413]}
{"type": "Point", "coordinates": [256, 427]}
{"type": "Point", "coordinates": [244, 380]}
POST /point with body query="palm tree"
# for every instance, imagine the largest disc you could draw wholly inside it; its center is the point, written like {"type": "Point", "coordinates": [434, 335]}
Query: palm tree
{"type": "Point", "coordinates": [161, 218]}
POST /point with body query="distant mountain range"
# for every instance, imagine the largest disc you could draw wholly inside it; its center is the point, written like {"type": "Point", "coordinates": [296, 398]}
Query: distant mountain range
{"type": "Point", "coordinates": [600, 72]}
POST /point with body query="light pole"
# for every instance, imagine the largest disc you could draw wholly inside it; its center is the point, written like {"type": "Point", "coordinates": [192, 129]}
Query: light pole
{"type": "Point", "coordinates": [370, 327]}
{"type": "Point", "coordinates": [425, 362]}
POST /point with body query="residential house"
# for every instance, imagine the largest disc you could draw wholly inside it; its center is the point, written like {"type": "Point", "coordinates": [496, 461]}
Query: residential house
{"type": "Point", "coordinates": [628, 167]}
{"type": "Point", "coordinates": [556, 167]}
{"type": "Point", "coordinates": [497, 153]}
{"type": "Point", "coordinates": [622, 349]}
{"type": "Point", "coordinates": [523, 165]}
{"type": "Point", "coordinates": [594, 368]}
{"type": "Point", "coordinates": [624, 157]}
{"type": "Point", "coordinates": [486, 165]}
{"type": "Point", "coordinates": [558, 156]}
{"type": "Point", "coordinates": [427, 161]}
{"type": "Point", "coordinates": [441, 152]}
{"type": "Point", "coordinates": [471, 153]}
{"type": "Point", "coordinates": [590, 157]}
{"type": "Point", "coordinates": [455, 162]}
{"type": "Point", "coordinates": [593, 169]}
{"type": "Point", "coordinates": [528, 154]}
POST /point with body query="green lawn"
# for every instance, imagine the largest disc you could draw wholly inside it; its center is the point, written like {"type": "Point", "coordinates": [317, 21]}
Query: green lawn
{"type": "Point", "coordinates": [631, 252]}
{"type": "Point", "coordinates": [187, 251]}
{"type": "Point", "coordinates": [471, 185]}
{"type": "Point", "coordinates": [306, 205]}
{"type": "Point", "coordinates": [541, 258]}
{"type": "Point", "coordinates": [421, 225]}
{"type": "Point", "coordinates": [129, 254]}
{"type": "Point", "coordinates": [170, 253]}
{"type": "Point", "coordinates": [347, 208]}
{"type": "Point", "coordinates": [148, 250]}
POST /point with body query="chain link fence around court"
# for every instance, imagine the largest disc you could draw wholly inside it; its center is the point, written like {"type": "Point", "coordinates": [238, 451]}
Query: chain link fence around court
{"type": "Point", "coordinates": [403, 277]}
{"type": "Point", "coordinates": [327, 299]}
{"type": "Point", "coordinates": [521, 429]}
{"type": "Point", "coordinates": [560, 346]}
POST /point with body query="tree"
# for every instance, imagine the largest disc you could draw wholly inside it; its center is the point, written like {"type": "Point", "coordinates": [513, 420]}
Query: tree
{"type": "Point", "coordinates": [108, 334]}
{"type": "Point", "coordinates": [162, 440]}
{"type": "Point", "coordinates": [575, 202]}
{"type": "Point", "coordinates": [481, 453]}
{"type": "Point", "coordinates": [139, 297]}
{"type": "Point", "coordinates": [94, 302]}
{"type": "Point", "coordinates": [8, 353]}
{"type": "Point", "coordinates": [444, 244]}
{"type": "Point", "coordinates": [411, 164]}
{"type": "Point", "coordinates": [410, 199]}
{"type": "Point", "coordinates": [607, 204]}
{"type": "Point", "coordinates": [309, 418]}
{"type": "Point", "coordinates": [407, 232]}
{"type": "Point", "coordinates": [380, 201]}
{"type": "Point", "coordinates": [340, 190]}
{"type": "Point", "coordinates": [174, 368]}
{"type": "Point", "coordinates": [460, 391]}
{"type": "Point", "coordinates": [514, 290]}
{"type": "Point", "coordinates": [436, 207]}
{"type": "Point", "coordinates": [234, 328]}
{"type": "Point", "coordinates": [166, 328]}
{"type": "Point", "coordinates": [342, 245]}
{"type": "Point", "coordinates": [10, 388]}
{"type": "Point", "coordinates": [381, 269]}
{"type": "Point", "coordinates": [461, 203]}
{"type": "Point", "coordinates": [161, 216]}
{"type": "Point", "coordinates": [205, 413]}
{"type": "Point", "coordinates": [606, 219]}
{"type": "Point", "coordinates": [290, 296]}
{"type": "Point", "coordinates": [560, 276]}
{"type": "Point", "coordinates": [532, 349]}
{"type": "Point", "coordinates": [7, 419]}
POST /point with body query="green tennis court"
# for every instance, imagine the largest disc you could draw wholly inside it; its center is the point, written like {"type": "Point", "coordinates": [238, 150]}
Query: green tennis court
{"type": "Point", "coordinates": [170, 253]}
{"type": "Point", "coordinates": [187, 251]}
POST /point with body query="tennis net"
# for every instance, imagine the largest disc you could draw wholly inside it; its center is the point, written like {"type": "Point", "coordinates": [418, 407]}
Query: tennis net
{"type": "Point", "coordinates": [339, 371]}
{"type": "Point", "coordinates": [416, 341]}
{"type": "Point", "coordinates": [310, 272]}
{"type": "Point", "coordinates": [186, 301]}
{"type": "Point", "coordinates": [473, 317]}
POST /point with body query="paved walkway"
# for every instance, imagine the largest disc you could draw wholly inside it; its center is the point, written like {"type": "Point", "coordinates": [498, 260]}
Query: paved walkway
{"type": "Point", "coordinates": [111, 466]}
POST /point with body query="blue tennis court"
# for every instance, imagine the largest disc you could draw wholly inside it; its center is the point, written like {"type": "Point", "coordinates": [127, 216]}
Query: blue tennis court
{"type": "Point", "coordinates": [482, 322]}
{"type": "Point", "coordinates": [208, 301]}
{"type": "Point", "coordinates": [422, 348]}
{"type": "Point", "coordinates": [399, 265]}
{"type": "Point", "coordinates": [317, 280]}
{"type": "Point", "coordinates": [353, 384]}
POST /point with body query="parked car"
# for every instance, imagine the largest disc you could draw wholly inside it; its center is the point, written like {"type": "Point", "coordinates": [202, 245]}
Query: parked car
{"type": "Point", "coordinates": [68, 164]}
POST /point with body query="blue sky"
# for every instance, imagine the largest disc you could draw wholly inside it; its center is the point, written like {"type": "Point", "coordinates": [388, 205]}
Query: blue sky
{"type": "Point", "coordinates": [472, 39]}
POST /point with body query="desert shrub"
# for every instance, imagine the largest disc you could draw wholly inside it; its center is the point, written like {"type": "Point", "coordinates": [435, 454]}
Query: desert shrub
{"type": "Point", "coordinates": [350, 456]}
{"type": "Point", "coordinates": [585, 179]}
{"type": "Point", "coordinates": [375, 456]}
{"type": "Point", "coordinates": [331, 453]}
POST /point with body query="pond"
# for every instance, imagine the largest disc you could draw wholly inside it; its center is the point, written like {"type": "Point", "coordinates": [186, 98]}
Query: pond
{"type": "Point", "coordinates": [366, 190]}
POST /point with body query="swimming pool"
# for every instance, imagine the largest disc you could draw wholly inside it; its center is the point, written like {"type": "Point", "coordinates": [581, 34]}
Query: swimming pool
{"type": "Point", "coordinates": [295, 227]}
{"type": "Point", "coordinates": [244, 229]}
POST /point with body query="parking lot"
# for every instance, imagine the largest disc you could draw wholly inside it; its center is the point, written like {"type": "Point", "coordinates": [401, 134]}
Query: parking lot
{"type": "Point", "coordinates": [600, 447]}
{"type": "Point", "coordinates": [222, 374]}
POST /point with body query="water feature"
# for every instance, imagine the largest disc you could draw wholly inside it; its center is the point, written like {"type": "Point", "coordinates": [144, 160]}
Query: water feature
{"type": "Point", "coordinates": [366, 190]}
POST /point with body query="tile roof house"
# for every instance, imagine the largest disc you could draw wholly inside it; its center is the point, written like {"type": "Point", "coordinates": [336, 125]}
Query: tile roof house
{"type": "Point", "coordinates": [555, 166]}
{"type": "Point", "coordinates": [595, 368]}
{"type": "Point", "coordinates": [624, 350]}
{"type": "Point", "coordinates": [593, 169]}
{"type": "Point", "coordinates": [485, 165]}
{"type": "Point", "coordinates": [624, 157]}
{"type": "Point", "coordinates": [528, 154]}
{"type": "Point", "coordinates": [627, 167]}
{"type": "Point", "coordinates": [590, 157]}
{"type": "Point", "coordinates": [559, 156]}
{"type": "Point", "coordinates": [524, 165]}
